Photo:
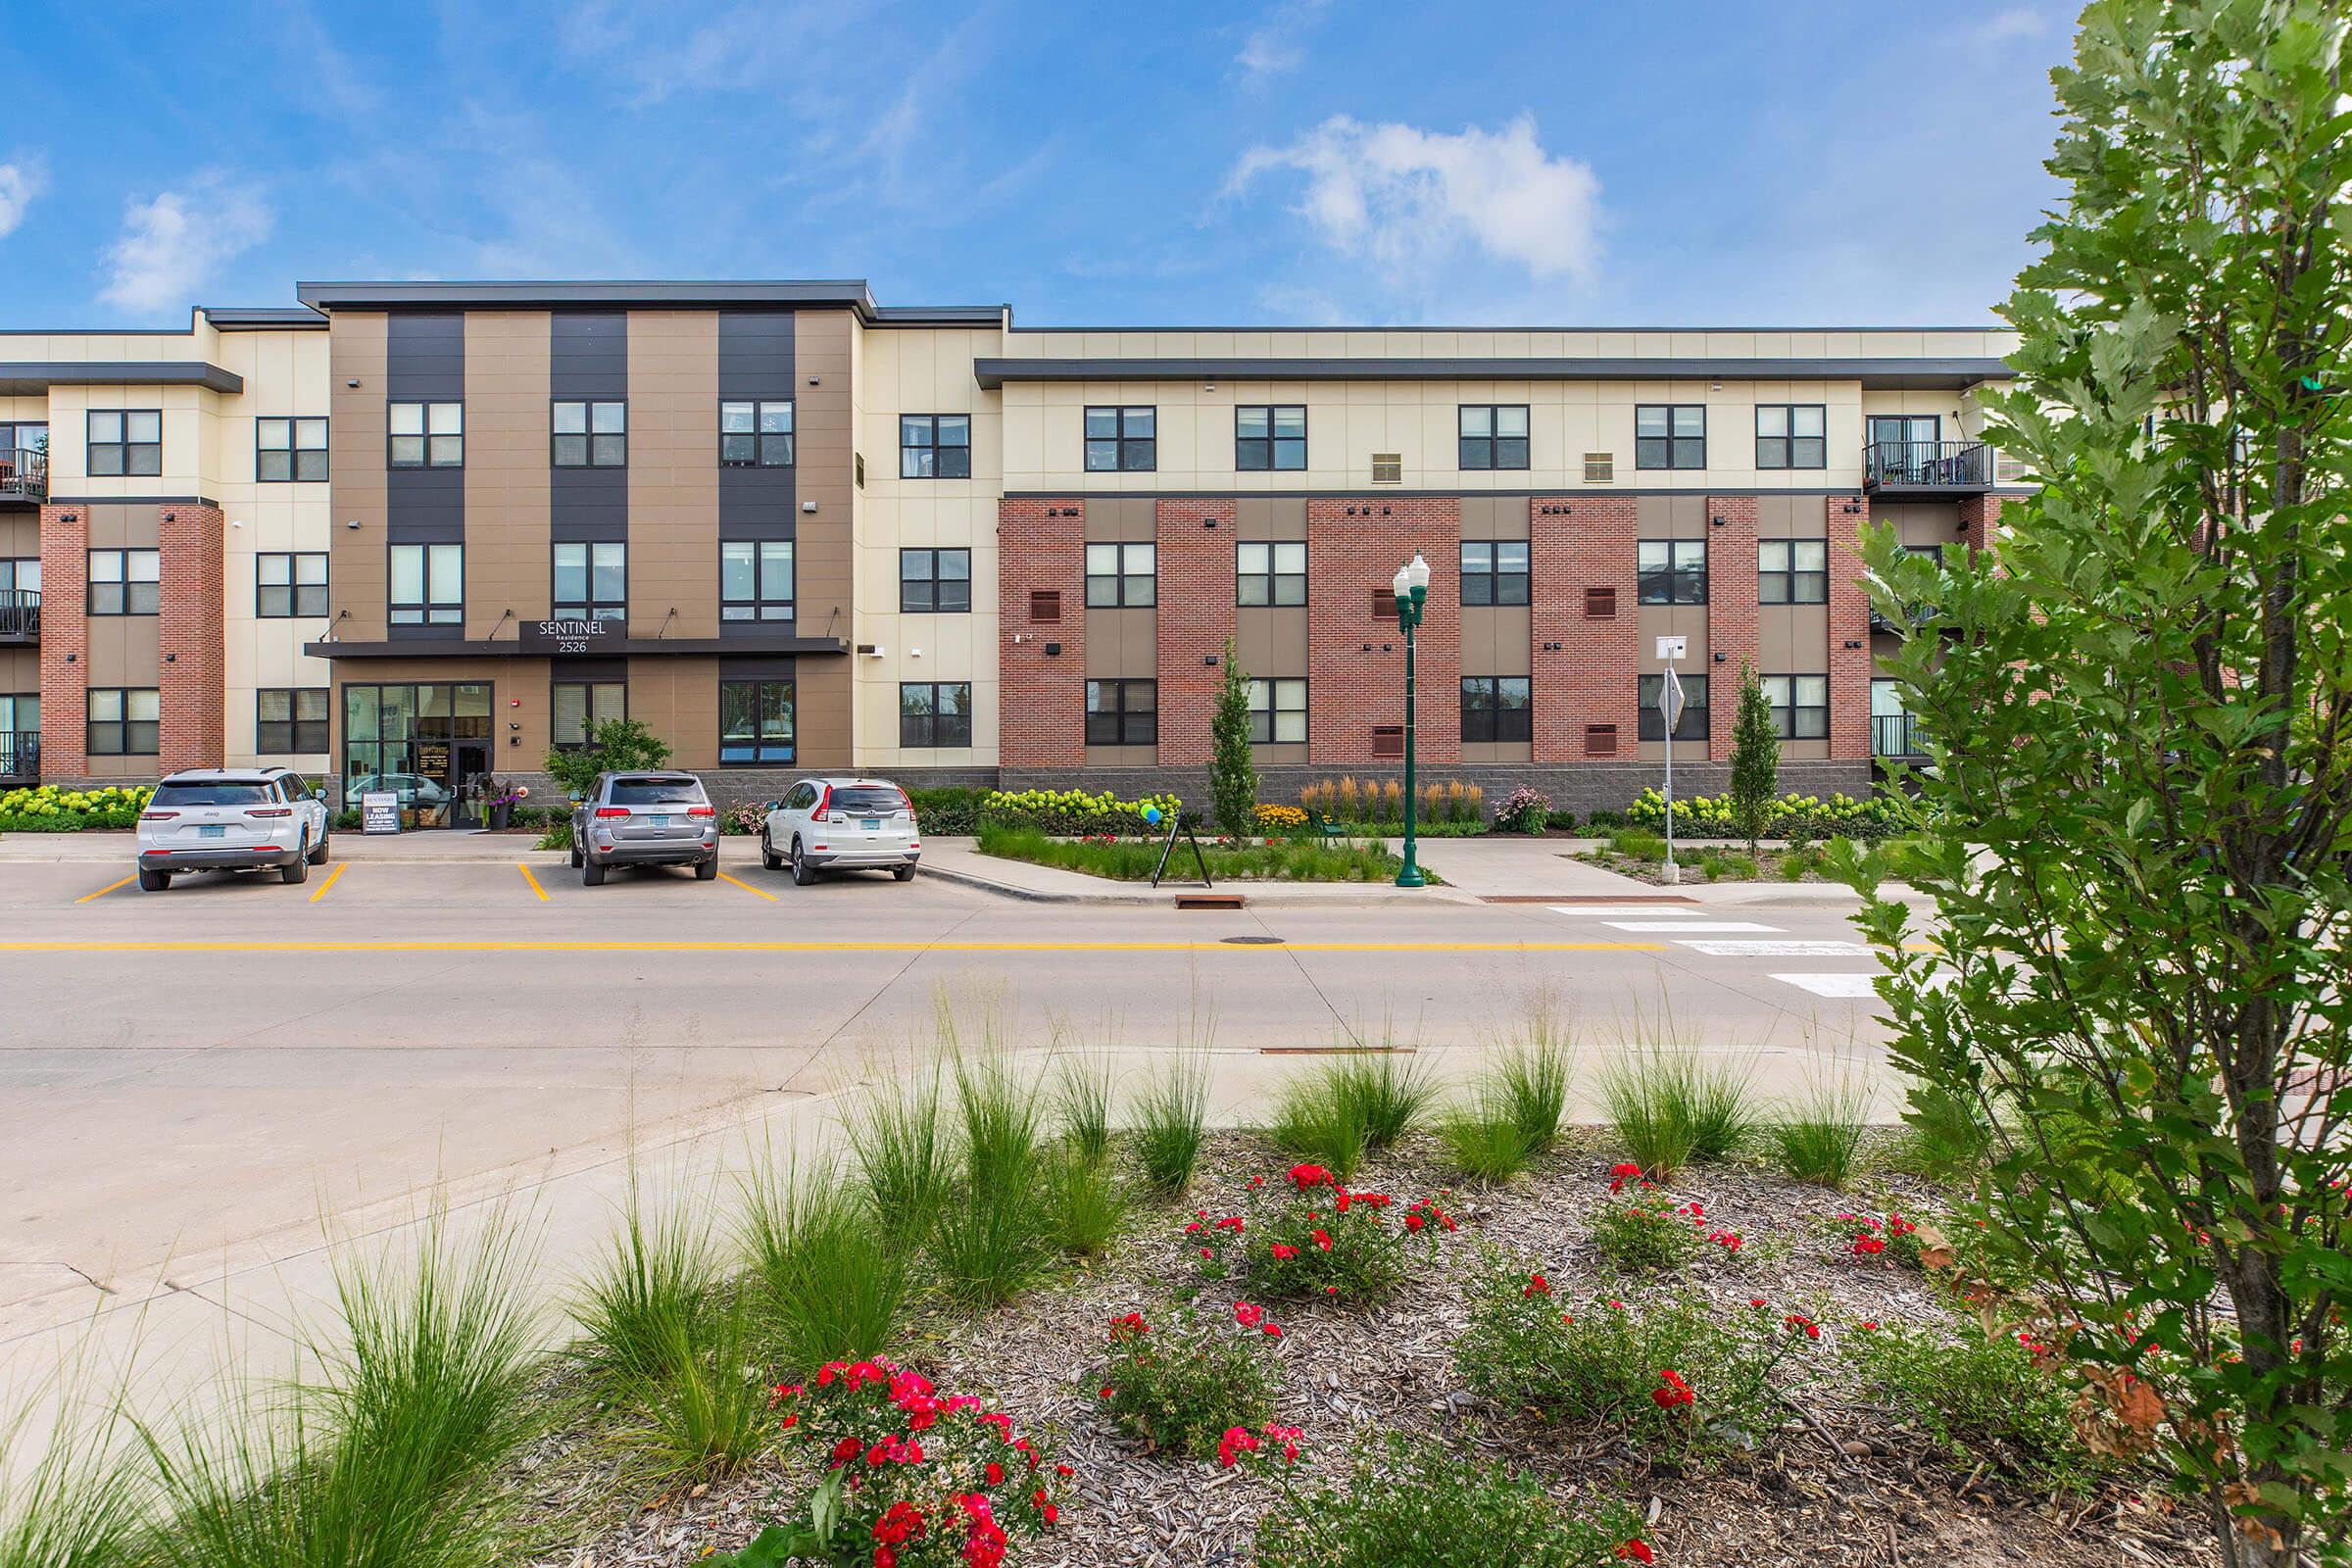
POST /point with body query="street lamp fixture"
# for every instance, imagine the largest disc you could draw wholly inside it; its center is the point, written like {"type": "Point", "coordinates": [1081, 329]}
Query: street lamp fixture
{"type": "Point", "coordinates": [1411, 585]}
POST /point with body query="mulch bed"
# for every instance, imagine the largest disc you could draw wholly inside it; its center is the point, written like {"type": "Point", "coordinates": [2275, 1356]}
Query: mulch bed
{"type": "Point", "coordinates": [1866, 1490]}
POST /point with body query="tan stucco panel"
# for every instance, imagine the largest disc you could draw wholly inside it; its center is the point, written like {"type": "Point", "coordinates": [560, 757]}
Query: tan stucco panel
{"type": "Point", "coordinates": [824, 551]}
{"type": "Point", "coordinates": [673, 473]}
{"type": "Point", "coordinates": [1121, 644]}
{"type": "Point", "coordinates": [677, 698]}
{"type": "Point", "coordinates": [506, 470]}
{"type": "Point", "coordinates": [1496, 640]}
{"type": "Point", "coordinates": [1271, 643]}
{"type": "Point", "coordinates": [355, 435]}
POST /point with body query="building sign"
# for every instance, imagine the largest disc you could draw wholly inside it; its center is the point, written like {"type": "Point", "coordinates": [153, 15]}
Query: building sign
{"type": "Point", "coordinates": [379, 812]}
{"type": "Point", "coordinates": [569, 636]}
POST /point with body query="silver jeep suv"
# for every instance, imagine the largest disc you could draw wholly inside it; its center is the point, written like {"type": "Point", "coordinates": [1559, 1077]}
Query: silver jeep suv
{"type": "Point", "coordinates": [644, 817]}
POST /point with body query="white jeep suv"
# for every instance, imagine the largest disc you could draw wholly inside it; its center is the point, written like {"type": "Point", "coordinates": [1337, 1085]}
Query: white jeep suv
{"type": "Point", "coordinates": [839, 823]}
{"type": "Point", "coordinates": [222, 820]}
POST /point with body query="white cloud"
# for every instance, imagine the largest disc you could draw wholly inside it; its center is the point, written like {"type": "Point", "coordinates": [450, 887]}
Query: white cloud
{"type": "Point", "coordinates": [2015, 22]}
{"type": "Point", "coordinates": [20, 181]}
{"type": "Point", "coordinates": [1273, 46]}
{"type": "Point", "coordinates": [173, 245]}
{"type": "Point", "coordinates": [1406, 199]}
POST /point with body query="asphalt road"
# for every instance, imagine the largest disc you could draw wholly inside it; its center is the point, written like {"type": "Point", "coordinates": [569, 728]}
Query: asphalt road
{"type": "Point", "coordinates": [187, 1072]}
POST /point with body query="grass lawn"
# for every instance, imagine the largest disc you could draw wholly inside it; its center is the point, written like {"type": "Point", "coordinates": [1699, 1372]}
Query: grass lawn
{"type": "Point", "coordinates": [1132, 860]}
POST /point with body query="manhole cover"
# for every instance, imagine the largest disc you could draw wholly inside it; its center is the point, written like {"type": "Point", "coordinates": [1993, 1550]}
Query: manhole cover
{"type": "Point", "coordinates": [1251, 941]}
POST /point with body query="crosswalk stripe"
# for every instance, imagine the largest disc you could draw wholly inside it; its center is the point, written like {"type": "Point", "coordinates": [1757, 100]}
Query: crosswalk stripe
{"type": "Point", "coordinates": [1736, 948]}
{"type": "Point", "coordinates": [1691, 925]}
{"type": "Point", "coordinates": [1853, 986]}
{"type": "Point", "coordinates": [1601, 911]}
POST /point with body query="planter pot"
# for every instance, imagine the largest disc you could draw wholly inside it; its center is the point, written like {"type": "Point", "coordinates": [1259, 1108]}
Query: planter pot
{"type": "Point", "coordinates": [502, 817]}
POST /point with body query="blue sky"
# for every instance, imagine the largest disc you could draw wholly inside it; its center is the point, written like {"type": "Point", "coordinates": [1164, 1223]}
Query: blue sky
{"type": "Point", "coordinates": [1274, 162]}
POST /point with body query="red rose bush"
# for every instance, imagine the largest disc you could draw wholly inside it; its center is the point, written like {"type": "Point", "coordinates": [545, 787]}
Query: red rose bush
{"type": "Point", "coordinates": [1308, 1236]}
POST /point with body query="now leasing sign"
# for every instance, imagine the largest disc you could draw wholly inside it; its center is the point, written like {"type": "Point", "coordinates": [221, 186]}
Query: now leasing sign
{"type": "Point", "coordinates": [570, 636]}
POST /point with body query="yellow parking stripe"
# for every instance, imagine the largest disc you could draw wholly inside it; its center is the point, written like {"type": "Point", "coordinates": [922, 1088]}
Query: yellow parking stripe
{"type": "Point", "coordinates": [532, 880]}
{"type": "Point", "coordinates": [109, 888]}
{"type": "Point", "coordinates": [757, 893]}
{"type": "Point", "coordinates": [498, 945]}
{"type": "Point", "coordinates": [331, 877]}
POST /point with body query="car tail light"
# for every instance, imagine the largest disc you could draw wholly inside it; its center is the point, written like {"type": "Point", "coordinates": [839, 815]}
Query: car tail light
{"type": "Point", "coordinates": [268, 811]}
{"type": "Point", "coordinates": [824, 801]}
{"type": "Point", "coordinates": [702, 810]}
{"type": "Point", "coordinates": [157, 816]}
{"type": "Point", "coordinates": [612, 810]}
{"type": "Point", "coordinates": [155, 852]}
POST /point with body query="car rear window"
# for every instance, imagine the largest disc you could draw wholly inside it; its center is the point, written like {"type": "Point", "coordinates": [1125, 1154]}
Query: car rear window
{"type": "Point", "coordinates": [657, 792]}
{"type": "Point", "coordinates": [170, 795]}
{"type": "Point", "coordinates": [868, 800]}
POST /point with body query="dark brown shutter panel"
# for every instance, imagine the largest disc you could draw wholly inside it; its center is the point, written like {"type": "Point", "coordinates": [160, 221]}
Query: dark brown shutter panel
{"type": "Point", "coordinates": [1600, 603]}
{"type": "Point", "coordinates": [1600, 740]}
{"type": "Point", "coordinates": [1387, 740]}
{"type": "Point", "coordinates": [1045, 604]}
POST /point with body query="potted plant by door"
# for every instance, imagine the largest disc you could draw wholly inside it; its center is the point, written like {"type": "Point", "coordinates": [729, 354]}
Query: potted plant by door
{"type": "Point", "coordinates": [501, 798]}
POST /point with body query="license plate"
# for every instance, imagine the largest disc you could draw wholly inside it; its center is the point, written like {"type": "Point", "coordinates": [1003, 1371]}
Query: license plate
{"type": "Point", "coordinates": [872, 824]}
{"type": "Point", "coordinates": [663, 822]}
{"type": "Point", "coordinates": [215, 831]}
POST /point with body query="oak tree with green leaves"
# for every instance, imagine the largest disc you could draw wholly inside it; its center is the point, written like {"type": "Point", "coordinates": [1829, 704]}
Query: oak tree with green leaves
{"type": "Point", "coordinates": [2138, 702]}
{"type": "Point", "coordinates": [1755, 760]}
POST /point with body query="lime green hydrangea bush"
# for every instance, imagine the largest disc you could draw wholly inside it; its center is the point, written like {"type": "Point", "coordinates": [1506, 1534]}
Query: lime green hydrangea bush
{"type": "Point", "coordinates": [1792, 817]}
{"type": "Point", "coordinates": [1076, 812]}
{"type": "Point", "coordinates": [49, 808]}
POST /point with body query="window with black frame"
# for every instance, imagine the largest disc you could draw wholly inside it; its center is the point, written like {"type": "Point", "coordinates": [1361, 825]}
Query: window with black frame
{"type": "Point", "coordinates": [935, 446]}
{"type": "Point", "coordinates": [1494, 571]}
{"type": "Point", "coordinates": [1497, 709]}
{"type": "Point", "coordinates": [1270, 573]}
{"type": "Point", "coordinates": [1792, 571]}
{"type": "Point", "coordinates": [576, 706]}
{"type": "Point", "coordinates": [125, 722]}
{"type": "Point", "coordinates": [1123, 576]}
{"type": "Point", "coordinates": [1491, 435]}
{"type": "Point", "coordinates": [933, 581]}
{"type": "Point", "coordinates": [1791, 435]}
{"type": "Point", "coordinates": [427, 585]}
{"type": "Point", "coordinates": [1691, 726]}
{"type": "Point", "coordinates": [1278, 712]}
{"type": "Point", "coordinates": [755, 434]}
{"type": "Point", "coordinates": [1122, 440]}
{"type": "Point", "coordinates": [123, 441]}
{"type": "Point", "coordinates": [1800, 706]}
{"type": "Point", "coordinates": [1122, 713]}
{"type": "Point", "coordinates": [590, 435]}
{"type": "Point", "coordinates": [1670, 435]}
{"type": "Point", "coordinates": [591, 581]}
{"type": "Point", "coordinates": [289, 585]}
{"type": "Point", "coordinates": [289, 720]}
{"type": "Point", "coordinates": [125, 582]}
{"type": "Point", "coordinates": [935, 714]}
{"type": "Point", "coordinates": [289, 451]}
{"type": "Point", "coordinates": [1269, 437]}
{"type": "Point", "coordinates": [754, 579]}
{"type": "Point", "coordinates": [754, 721]}
{"type": "Point", "coordinates": [425, 435]}
{"type": "Point", "coordinates": [1671, 572]}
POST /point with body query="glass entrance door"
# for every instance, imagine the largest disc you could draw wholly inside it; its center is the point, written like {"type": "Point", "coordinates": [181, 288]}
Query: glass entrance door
{"type": "Point", "coordinates": [469, 764]}
{"type": "Point", "coordinates": [415, 741]}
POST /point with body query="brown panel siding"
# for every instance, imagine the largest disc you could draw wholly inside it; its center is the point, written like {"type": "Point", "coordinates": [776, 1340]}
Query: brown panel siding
{"type": "Point", "coordinates": [674, 474]}
{"type": "Point", "coordinates": [507, 471]}
{"type": "Point", "coordinates": [356, 571]}
{"type": "Point", "coordinates": [677, 698]}
{"type": "Point", "coordinates": [824, 551]}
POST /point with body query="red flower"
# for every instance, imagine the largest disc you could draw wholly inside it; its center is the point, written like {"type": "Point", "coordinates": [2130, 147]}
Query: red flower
{"type": "Point", "coordinates": [1635, 1550]}
{"type": "Point", "coordinates": [1870, 1323]}
{"type": "Point", "coordinates": [995, 1474]}
{"type": "Point", "coordinates": [1323, 1240]}
{"type": "Point", "coordinates": [1620, 1174]}
{"type": "Point", "coordinates": [1672, 1390]}
{"type": "Point", "coordinates": [1206, 1252]}
{"type": "Point", "coordinates": [1064, 1471]}
{"type": "Point", "coordinates": [1049, 1514]}
{"type": "Point", "coordinates": [1304, 1177]}
{"type": "Point", "coordinates": [884, 1557]}
{"type": "Point", "coordinates": [1236, 1442]}
{"type": "Point", "coordinates": [1756, 1301]}
{"type": "Point", "coordinates": [1107, 1392]}
{"type": "Point", "coordinates": [1273, 1331]}
{"type": "Point", "coordinates": [1129, 1327]}
{"type": "Point", "coordinates": [1413, 1220]}
{"type": "Point", "coordinates": [1537, 1284]}
{"type": "Point", "coordinates": [1867, 1246]}
{"type": "Point", "coordinates": [1805, 1325]}
{"type": "Point", "coordinates": [1231, 1222]}
{"type": "Point", "coordinates": [1283, 1254]}
{"type": "Point", "coordinates": [1248, 1316]}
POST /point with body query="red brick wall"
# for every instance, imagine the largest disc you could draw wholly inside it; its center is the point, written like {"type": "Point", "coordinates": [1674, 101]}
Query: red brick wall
{"type": "Point", "coordinates": [192, 636]}
{"type": "Point", "coordinates": [1354, 547]}
{"type": "Point", "coordinates": [1040, 699]}
{"type": "Point", "coordinates": [64, 640]}
{"type": "Point", "coordinates": [1732, 613]}
{"type": "Point", "coordinates": [1850, 667]}
{"type": "Point", "coordinates": [1583, 542]}
{"type": "Point", "coordinates": [1195, 617]}
{"type": "Point", "coordinates": [1980, 516]}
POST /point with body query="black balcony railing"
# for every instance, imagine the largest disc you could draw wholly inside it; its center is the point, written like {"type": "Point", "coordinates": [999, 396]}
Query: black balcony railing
{"type": "Point", "coordinates": [1921, 615]}
{"type": "Point", "coordinates": [1949, 466]}
{"type": "Point", "coordinates": [23, 475]}
{"type": "Point", "coordinates": [20, 615]}
{"type": "Point", "coordinates": [19, 754]}
{"type": "Point", "coordinates": [1895, 735]}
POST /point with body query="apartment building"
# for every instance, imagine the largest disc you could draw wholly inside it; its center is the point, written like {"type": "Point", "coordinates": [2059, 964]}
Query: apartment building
{"type": "Point", "coordinates": [409, 535]}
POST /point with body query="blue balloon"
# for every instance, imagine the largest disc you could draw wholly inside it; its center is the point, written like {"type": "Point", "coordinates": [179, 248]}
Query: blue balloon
{"type": "Point", "coordinates": [1152, 814]}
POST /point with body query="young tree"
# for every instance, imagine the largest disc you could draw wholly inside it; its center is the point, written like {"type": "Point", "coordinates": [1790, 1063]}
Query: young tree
{"type": "Point", "coordinates": [1232, 770]}
{"type": "Point", "coordinates": [1755, 760]}
{"type": "Point", "coordinates": [2139, 718]}
{"type": "Point", "coordinates": [616, 745]}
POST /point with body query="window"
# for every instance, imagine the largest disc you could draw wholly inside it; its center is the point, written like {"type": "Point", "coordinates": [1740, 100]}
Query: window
{"type": "Point", "coordinates": [1788, 435]}
{"type": "Point", "coordinates": [1122, 440]}
{"type": "Point", "coordinates": [1495, 571]}
{"type": "Point", "coordinates": [427, 435]}
{"type": "Point", "coordinates": [126, 582]}
{"type": "Point", "coordinates": [754, 721]}
{"type": "Point", "coordinates": [1269, 437]}
{"type": "Point", "coordinates": [1270, 573]}
{"type": "Point", "coordinates": [1792, 571]}
{"type": "Point", "coordinates": [592, 581]}
{"type": "Point", "coordinates": [1800, 706]}
{"type": "Point", "coordinates": [124, 441]}
{"type": "Point", "coordinates": [1122, 576]}
{"type": "Point", "coordinates": [20, 575]}
{"type": "Point", "coordinates": [1693, 723]}
{"type": "Point", "coordinates": [1494, 707]}
{"type": "Point", "coordinates": [754, 579]}
{"type": "Point", "coordinates": [576, 706]}
{"type": "Point", "coordinates": [754, 435]}
{"type": "Point", "coordinates": [289, 451]}
{"type": "Point", "coordinates": [934, 582]}
{"type": "Point", "coordinates": [1278, 712]}
{"type": "Point", "coordinates": [1122, 713]}
{"type": "Point", "coordinates": [125, 722]}
{"type": "Point", "coordinates": [289, 719]}
{"type": "Point", "coordinates": [24, 435]}
{"type": "Point", "coordinates": [1671, 572]}
{"type": "Point", "coordinates": [591, 435]}
{"type": "Point", "coordinates": [289, 585]}
{"type": "Point", "coordinates": [1493, 436]}
{"type": "Point", "coordinates": [935, 446]}
{"type": "Point", "coordinates": [1670, 435]}
{"type": "Point", "coordinates": [935, 713]}
{"type": "Point", "coordinates": [429, 586]}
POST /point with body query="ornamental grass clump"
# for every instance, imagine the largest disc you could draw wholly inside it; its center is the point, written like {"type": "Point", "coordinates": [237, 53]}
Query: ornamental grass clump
{"type": "Point", "coordinates": [1640, 1229]}
{"type": "Point", "coordinates": [1082, 1106]}
{"type": "Point", "coordinates": [906, 1153]}
{"type": "Point", "coordinates": [1670, 1106]}
{"type": "Point", "coordinates": [828, 1281]}
{"type": "Point", "coordinates": [77, 1502]}
{"type": "Point", "coordinates": [1483, 1140]}
{"type": "Point", "coordinates": [1533, 1076]}
{"type": "Point", "coordinates": [1318, 1123]}
{"type": "Point", "coordinates": [1182, 1383]}
{"type": "Point", "coordinates": [910, 1479]}
{"type": "Point", "coordinates": [1087, 1199]}
{"type": "Point", "coordinates": [1817, 1137]}
{"type": "Point", "coordinates": [1171, 1123]}
{"type": "Point", "coordinates": [1412, 1502]}
{"type": "Point", "coordinates": [1980, 1395]}
{"type": "Point", "coordinates": [1666, 1371]}
{"type": "Point", "coordinates": [996, 1229]}
{"type": "Point", "coordinates": [1304, 1234]}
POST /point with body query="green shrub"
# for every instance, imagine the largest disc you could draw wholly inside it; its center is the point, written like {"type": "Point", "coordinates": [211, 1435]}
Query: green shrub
{"type": "Point", "coordinates": [1528, 809]}
{"type": "Point", "coordinates": [1669, 1106]}
{"type": "Point", "coordinates": [1306, 1235]}
{"type": "Point", "coordinates": [1740, 867]}
{"type": "Point", "coordinates": [1133, 859]}
{"type": "Point", "coordinates": [947, 812]}
{"type": "Point", "coordinates": [1483, 1140]}
{"type": "Point", "coordinates": [1945, 1138]}
{"type": "Point", "coordinates": [1818, 1135]}
{"type": "Point", "coordinates": [1413, 1503]}
{"type": "Point", "coordinates": [1074, 812]}
{"type": "Point", "coordinates": [1712, 816]}
{"type": "Point", "coordinates": [829, 1283]}
{"type": "Point", "coordinates": [1638, 845]}
{"type": "Point", "coordinates": [1180, 1384]}
{"type": "Point", "coordinates": [1642, 1230]}
{"type": "Point", "coordinates": [615, 744]}
{"type": "Point", "coordinates": [1794, 865]}
{"type": "Point", "coordinates": [1089, 1200]}
{"type": "Point", "coordinates": [558, 837]}
{"type": "Point", "coordinates": [1171, 1122]}
{"type": "Point", "coordinates": [1978, 1397]}
{"type": "Point", "coordinates": [906, 1153]}
{"type": "Point", "coordinates": [52, 808]}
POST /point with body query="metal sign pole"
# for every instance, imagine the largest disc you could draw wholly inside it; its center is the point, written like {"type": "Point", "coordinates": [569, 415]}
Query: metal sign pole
{"type": "Point", "coordinates": [1670, 708]}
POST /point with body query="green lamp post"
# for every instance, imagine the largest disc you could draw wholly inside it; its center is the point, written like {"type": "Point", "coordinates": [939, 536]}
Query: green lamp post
{"type": "Point", "coordinates": [1413, 595]}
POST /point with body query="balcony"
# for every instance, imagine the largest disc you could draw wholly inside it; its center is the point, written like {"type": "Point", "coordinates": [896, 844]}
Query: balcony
{"type": "Point", "coordinates": [1897, 735]}
{"type": "Point", "coordinates": [1927, 467]}
{"type": "Point", "coordinates": [23, 475]}
{"type": "Point", "coordinates": [20, 755]}
{"type": "Point", "coordinates": [1919, 615]}
{"type": "Point", "coordinates": [20, 615]}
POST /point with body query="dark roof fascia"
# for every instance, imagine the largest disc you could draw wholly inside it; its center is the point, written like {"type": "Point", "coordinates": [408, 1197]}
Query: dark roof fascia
{"type": "Point", "coordinates": [632, 647]}
{"type": "Point", "coordinates": [1889, 373]}
{"type": "Point", "coordinates": [32, 378]}
{"type": "Point", "coordinates": [846, 293]}
{"type": "Point", "coordinates": [263, 317]}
